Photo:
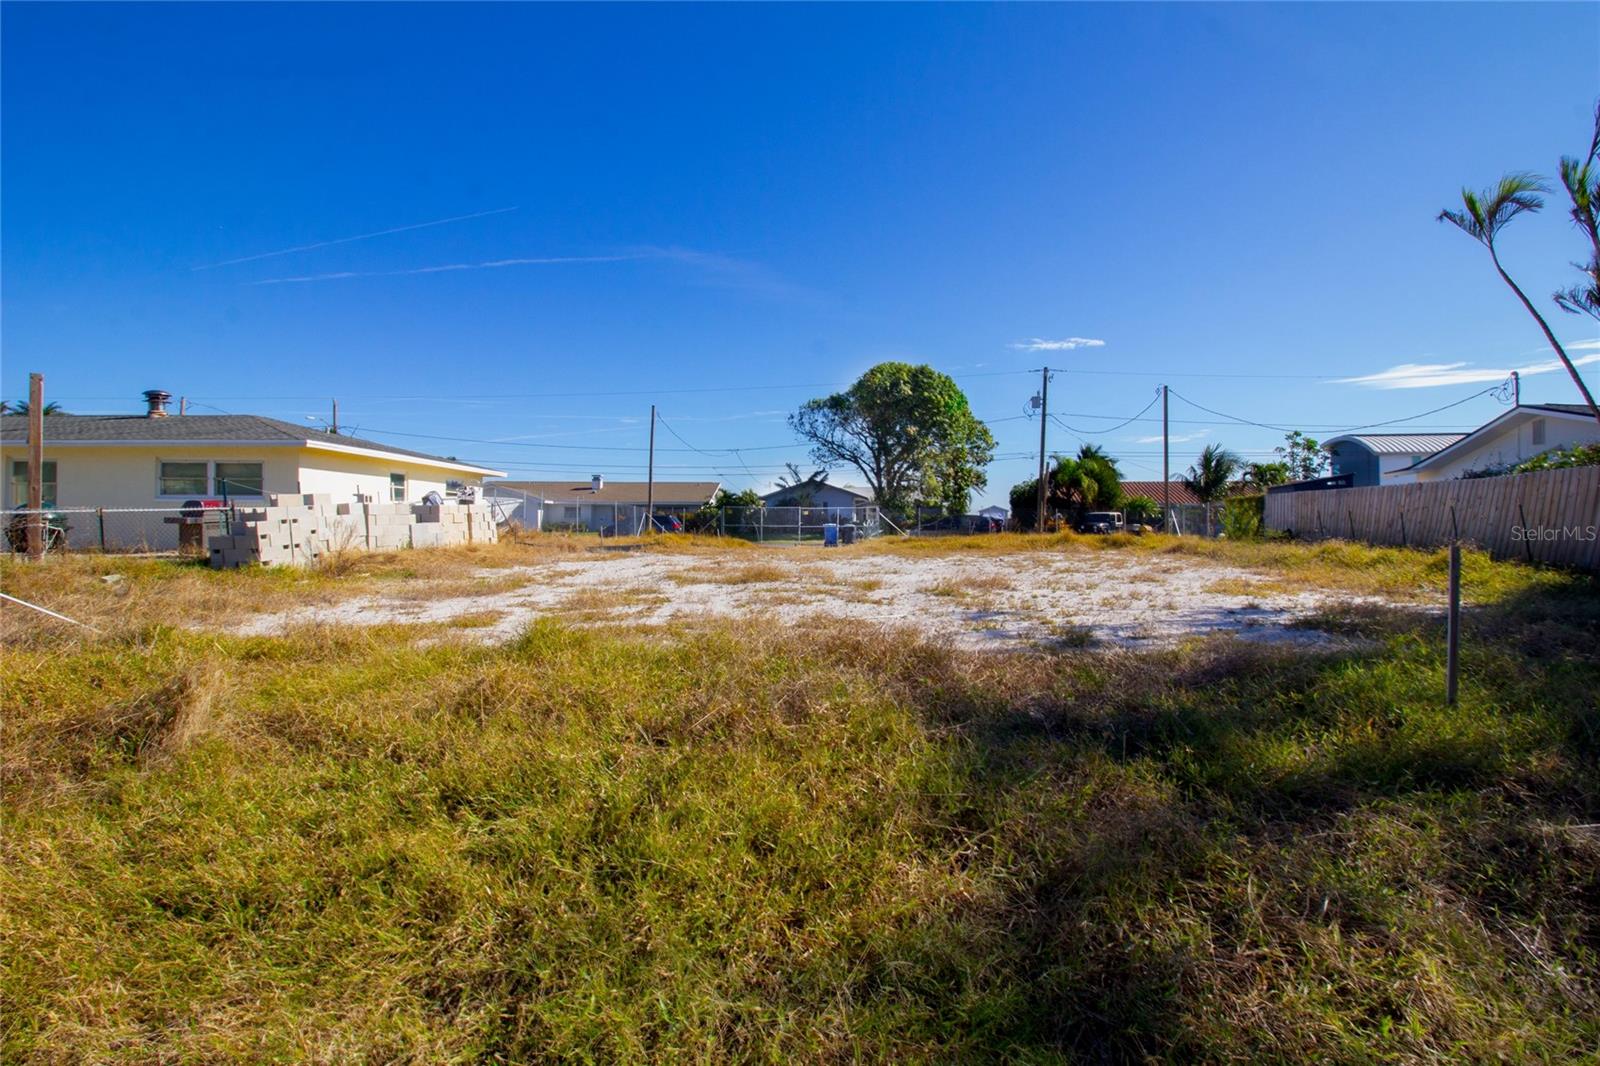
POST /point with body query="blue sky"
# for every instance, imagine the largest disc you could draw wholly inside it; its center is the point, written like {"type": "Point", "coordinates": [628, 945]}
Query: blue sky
{"type": "Point", "coordinates": [728, 210]}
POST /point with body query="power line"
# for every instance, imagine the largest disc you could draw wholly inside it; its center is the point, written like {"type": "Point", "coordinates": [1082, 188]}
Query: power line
{"type": "Point", "coordinates": [1110, 429]}
{"type": "Point", "coordinates": [1350, 429]}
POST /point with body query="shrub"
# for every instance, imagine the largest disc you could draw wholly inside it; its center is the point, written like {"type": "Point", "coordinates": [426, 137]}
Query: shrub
{"type": "Point", "coordinates": [1243, 517]}
{"type": "Point", "coordinates": [1561, 458]}
{"type": "Point", "coordinates": [1141, 509]}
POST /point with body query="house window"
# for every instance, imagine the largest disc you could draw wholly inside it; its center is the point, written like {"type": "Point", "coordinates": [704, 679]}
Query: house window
{"type": "Point", "coordinates": [19, 482]}
{"type": "Point", "coordinates": [452, 488]}
{"type": "Point", "coordinates": [1538, 432]}
{"type": "Point", "coordinates": [238, 479]}
{"type": "Point", "coordinates": [183, 479]}
{"type": "Point", "coordinates": [397, 488]}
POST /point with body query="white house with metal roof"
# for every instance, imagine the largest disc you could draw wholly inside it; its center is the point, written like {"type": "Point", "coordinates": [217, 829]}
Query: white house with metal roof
{"type": "Point", "coordinates": [598, 503]}
{"type": "Point", "coordinates": [1383, 458]}
{"type": "Point", "coordinates": [1520, 433]}
{"type": "Point", "coordinates": [155, 460]}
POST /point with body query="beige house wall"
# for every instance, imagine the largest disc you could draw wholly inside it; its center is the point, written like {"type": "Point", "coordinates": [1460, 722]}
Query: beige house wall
{"type": "Point", "coordinates": [121, 476]}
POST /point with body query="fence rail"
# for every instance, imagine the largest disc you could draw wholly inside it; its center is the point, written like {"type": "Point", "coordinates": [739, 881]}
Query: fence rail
{"type": "Point", "coordinates": [113, 529]}
{"type": "Point", "coordinates": [1548, 516]}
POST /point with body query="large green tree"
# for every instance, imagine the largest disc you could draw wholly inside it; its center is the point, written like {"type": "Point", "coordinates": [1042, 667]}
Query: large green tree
{"type": "Point", "coordinates": [910, 433]}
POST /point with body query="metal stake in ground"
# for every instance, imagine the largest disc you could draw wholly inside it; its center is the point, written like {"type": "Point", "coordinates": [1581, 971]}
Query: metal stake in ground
{"type": "Point", "coordinates": [1453, 625]}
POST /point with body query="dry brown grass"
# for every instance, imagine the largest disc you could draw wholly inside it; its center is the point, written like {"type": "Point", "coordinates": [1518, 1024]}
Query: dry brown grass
{"type": "Point", "coordinates": [743, 574]}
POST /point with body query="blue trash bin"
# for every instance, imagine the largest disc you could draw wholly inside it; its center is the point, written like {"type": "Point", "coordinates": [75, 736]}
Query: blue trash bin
{"type": "Point", "coordinates": [830, 534]}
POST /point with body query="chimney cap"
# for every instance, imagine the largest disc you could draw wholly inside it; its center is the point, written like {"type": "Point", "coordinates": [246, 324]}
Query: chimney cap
{"type": "Point", "coordinates": [157, 399]}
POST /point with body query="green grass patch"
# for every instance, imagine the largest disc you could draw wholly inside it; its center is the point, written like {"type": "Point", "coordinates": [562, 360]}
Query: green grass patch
{"type": "Point", "coordinates": [749, 843]}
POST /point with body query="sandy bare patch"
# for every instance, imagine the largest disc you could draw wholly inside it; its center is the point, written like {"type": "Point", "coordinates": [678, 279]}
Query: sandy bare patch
{"type": "Point", "coordinates": [1000, 601]}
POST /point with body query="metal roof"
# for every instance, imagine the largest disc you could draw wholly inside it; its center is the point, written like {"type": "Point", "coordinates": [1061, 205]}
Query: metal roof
{"type": "Point", "coordinates": [1180, 493]}
{"type": "Point", "coordinates": [1399, 443]}
{"type": "Point", "coordinates": [198, 429]}
{"type": "Point", "coordinates": [667, 493]}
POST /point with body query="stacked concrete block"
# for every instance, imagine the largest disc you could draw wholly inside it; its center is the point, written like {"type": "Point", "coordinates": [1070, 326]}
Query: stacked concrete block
{"type": "Point", "coordinates": [300, 530]}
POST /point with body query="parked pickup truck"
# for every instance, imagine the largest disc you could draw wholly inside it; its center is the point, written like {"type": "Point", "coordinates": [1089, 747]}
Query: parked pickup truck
{"type": "Point", "coordinates": [1101, 522]}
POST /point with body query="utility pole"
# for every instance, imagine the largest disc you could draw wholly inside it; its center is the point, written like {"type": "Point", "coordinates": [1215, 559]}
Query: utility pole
{"type": "Point", "coordinates": [1044, 418]}
{"type": "Point", "coordinates": [1516, 389]}
{"type": "Point", "coordinates": [35, 465]}
{"type": "Point", "coordinates": [183, 406]}
{"type": "Point", "coordinates": [334, 425]}
{"type": "Point", "coordinates": [1166, 473]}
{"type": "Point", "coordinates": [650, 483]}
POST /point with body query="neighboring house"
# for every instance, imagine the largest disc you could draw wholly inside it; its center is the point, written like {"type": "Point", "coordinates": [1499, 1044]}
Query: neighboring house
{"type": "Point", "coordinates": [580, 505]}
{"type": "Point", "coordinates": [1179, 493]}
{"type": "Point", "coordinates": [1520, 433]}
{"type": "Point", "coordinates": [995, 512]}
{"type": "Point", "coordinates": [1383, 458]}
{"type": "Point", "coordinates": [158, 462]}
{"type": "Point", "coordinates": [822, 495]}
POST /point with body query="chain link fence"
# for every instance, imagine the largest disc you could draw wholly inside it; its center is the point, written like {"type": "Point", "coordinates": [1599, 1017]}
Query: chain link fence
{"type": "Point", "coordinates": [798, 525]}
{"type": "Point", "coordinates": [124, 530]}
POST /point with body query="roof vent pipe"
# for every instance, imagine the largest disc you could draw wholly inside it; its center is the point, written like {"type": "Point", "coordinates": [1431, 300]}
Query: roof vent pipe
{"type": "Point", "coordinates": [596, 483]}
{"type": "Point", "coordinates": [158, 403]}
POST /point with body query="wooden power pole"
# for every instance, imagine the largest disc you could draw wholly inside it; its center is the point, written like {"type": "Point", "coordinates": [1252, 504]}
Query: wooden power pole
{"type": "Point", "coordinates": [1044, 417]}
{"type": "Point", "coordinates": [35, 465]}
{"type": "Point", "coordinates": [1166, 473]}
{"type": "Point", "coordinates": [650, 476]}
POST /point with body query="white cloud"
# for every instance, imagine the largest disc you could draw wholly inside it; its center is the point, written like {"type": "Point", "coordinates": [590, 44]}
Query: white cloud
{"type": "Point", "coordinates": [1039, 344]}
{"type": "Point", "coordinates": [1428, 375]}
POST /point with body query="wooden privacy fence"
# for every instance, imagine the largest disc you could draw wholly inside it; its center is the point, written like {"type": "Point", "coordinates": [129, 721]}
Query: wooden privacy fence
{"type": "Point", "coordinates": [1549, 516]}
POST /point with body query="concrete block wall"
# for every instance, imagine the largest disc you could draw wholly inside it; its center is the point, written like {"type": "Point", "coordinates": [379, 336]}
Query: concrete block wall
{"type": "Point", "coordinates": [300, 530]}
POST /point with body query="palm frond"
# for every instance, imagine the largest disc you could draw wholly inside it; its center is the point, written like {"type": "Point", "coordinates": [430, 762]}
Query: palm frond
{"type": "Point", "coordinates": [1487, 213]}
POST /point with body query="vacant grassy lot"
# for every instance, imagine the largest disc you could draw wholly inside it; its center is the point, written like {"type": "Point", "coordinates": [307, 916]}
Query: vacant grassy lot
{"type": "Point", "coordinates": [758, 843]}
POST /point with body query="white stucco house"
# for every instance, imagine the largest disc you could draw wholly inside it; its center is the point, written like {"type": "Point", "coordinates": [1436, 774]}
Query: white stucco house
{"type": "Point", "coordinates": [1383, 458]}
{"type": "Point", "coordinates": [159, 461]}
{"type": "Point", "coordinates": [596, 505]}
{"type": "Point", "coordinates": [1520, 433]}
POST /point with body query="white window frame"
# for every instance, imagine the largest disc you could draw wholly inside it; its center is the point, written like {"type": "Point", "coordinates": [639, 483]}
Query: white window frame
{"type": "Point", "coordinates": [404, 486]}
{"type": "Point", "coordinates": [210, 491]}
{"type": "Point", "coordinates": [1536, 432]}
{"type": "Point", "coordinates": [216, 491]}
{"type": "Point", "coordinates": [48, 498]}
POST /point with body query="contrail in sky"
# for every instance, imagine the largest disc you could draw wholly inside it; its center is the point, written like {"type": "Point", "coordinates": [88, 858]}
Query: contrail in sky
{"type": "Point", "coordinates": [487, 265]}
{"type": "Point", "coordinates": [357, 237]}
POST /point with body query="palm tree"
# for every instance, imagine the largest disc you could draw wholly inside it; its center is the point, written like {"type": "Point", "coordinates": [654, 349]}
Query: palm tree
{"type": "Point", "coordinates": [1582, 181]}
{"type": "Point", "coordinates": [1265, 475]}
{"type": "Point", "coordinates": [50, 408]}
{"type": "Point", "coordinates": [1210, 477]}
{"type": "Point", "coordinates": [1483, 216]}
{"type": "Point", "coordinates": [1089, 480]}
{"type": "Point", "coordinates": [1073, 483]}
